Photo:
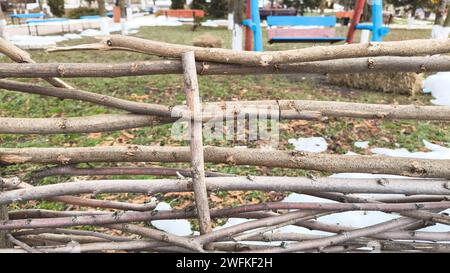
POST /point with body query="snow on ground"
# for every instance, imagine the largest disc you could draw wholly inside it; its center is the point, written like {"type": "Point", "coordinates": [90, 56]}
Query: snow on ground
{"type": "Point", "coordinates": [38, 42]}
{"type": "Point", "coordinates": [361, 144]}
{"type": "Point", "coordinates": [357, 219]}
{"type": "Point", "coordinates": [311, 144]}
{"type": "Point", "coordinates": [439, 87]}
{"type": "Point", "coordinates": [437, 152]}
{"type": "Point", "coordinates": [42, 42]}
{"type": "Point", "coordinates": [180, 227]}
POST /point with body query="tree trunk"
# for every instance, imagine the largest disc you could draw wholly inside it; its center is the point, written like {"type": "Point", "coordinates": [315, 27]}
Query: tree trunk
{"type": "Point", "coordinates": [447, 19]}
{"type": "Point", "coordinates": [101, 8]}
{"type": "Point", "coordinates": [413, 11]}
{"type": "Point", "coordinates": [440, 13]}
{"type": "Point", "coordinates": [322, 6]}
{"type": "Point", "coordinates": [2, 23]}
{"type": "Point", "coordinates": [123, 12]}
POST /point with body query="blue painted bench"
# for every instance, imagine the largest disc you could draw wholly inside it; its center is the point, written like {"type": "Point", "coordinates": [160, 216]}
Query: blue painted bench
{"type": "Point", "coordinates": [26, 16]}
{"type": "Point", "coordinates": [90, 17]}
{"type": "Point", "coordinates": [38, 22]}
{"type": "Point", "coordinates": [322, 29]}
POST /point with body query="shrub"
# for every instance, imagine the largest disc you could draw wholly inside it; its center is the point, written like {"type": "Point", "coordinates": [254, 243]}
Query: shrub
{"type": "Point", "coordinates": [56, 7]}
{"type": "Point", "coordinates": [81, 11]}
{"type": "Point", "coordinates": [218, 8]}
{"type": "Point", "coordinates": [177, 4]}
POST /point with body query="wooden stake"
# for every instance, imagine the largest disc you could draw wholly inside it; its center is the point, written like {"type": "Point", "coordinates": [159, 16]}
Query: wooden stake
{"type": "Point", "coordinates": [198, 166]}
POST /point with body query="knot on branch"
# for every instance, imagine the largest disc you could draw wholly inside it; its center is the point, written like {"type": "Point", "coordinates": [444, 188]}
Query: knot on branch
{"type": "Point", "coordinates": [265, 60]}
{"type": "Point", "coordinates": [422, 69]}
{"type": "Point", "coordinates": [230, 160]}
{"type": "Point", "coordinates": [370, 63]}
{"type": "Point", "coordinates": [62, 123]}
{"type": "Point", "coordinates": [132, 150]}
{"type": "Point", "coordinates": [417, 169]}
{"type": "Point", "coordinates": [204, 68]}
{"type": "Point", "coordinates": [63, 159]}
{"type": "Point", "coordinates": [446, 185]}
{"type": "Point", "coordinates": [383, 182]}
{"type": "Point", "coordinates": [61, 70]}
{"type": "Point", "coordinates": [134, 67]}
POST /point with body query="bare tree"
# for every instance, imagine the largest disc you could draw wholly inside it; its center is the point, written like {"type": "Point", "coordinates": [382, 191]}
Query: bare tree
{"type": "Point", "coordinates": [101, 8]}
{"type": "Point", "coordinates": [447, 19]}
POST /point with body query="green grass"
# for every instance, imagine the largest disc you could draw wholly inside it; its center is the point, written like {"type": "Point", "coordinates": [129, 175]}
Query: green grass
{"type": "Point", "coordinates": [167, 89]}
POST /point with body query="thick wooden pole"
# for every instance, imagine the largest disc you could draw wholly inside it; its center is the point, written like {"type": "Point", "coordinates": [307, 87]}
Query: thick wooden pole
{"type": "Point", "coordinates": [198, 165]}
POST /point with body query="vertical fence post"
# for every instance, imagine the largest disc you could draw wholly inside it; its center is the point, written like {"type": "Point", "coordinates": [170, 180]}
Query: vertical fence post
{"type": "Point", "coordinates": [195, 127]}
{"type": "Point", "coordinates": [4, 242]}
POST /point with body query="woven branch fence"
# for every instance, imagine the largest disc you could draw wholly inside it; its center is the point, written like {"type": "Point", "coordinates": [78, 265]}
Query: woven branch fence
{"type": "Point", "coordinates": [422, 195]}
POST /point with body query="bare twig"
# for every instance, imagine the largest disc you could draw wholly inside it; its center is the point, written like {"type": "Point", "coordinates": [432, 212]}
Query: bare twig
{"type": "Point", "coordinates": [21, 244]}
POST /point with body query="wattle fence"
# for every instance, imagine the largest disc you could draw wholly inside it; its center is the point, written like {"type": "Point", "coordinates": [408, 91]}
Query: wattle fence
{"type": "Point", "coordinates": [424, 193]}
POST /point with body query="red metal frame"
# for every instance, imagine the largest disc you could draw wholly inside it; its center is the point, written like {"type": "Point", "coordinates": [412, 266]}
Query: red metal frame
{"type": "Point", "coordinates": [359, 6]}
{"type": "Point", "coordinates": [248, 31]}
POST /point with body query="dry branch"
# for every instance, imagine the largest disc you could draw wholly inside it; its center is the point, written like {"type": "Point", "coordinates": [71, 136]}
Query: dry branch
{"type": "Point", "coordinates": [336, 239]}
{"type": "Point", "coordinates": [21, 244]}
{"type": "Point", "coordinates": [297, 184]}
{"type": "Point", "coordinates": [108, 171]}
{"type": "Point", "coordinates": [242, 183]}
{"type": "Point", "coordinates": [302, 160]}
{"type": "Point", "coordinates": [20, 56]}
{"type": "Point", "coordinates": [289, 109]}
{"type": "Point", "coordinates": [88, 124]}
{"type": "Point", "coordinates": [100, 99]}
{"type": "Point", "coordinates": [317, 53]}
{"type": "Point", "coordinates": [73, 200]}
{"type": "Point", "coordinates": [196, 141]}
{"type": "Point", "coordinates": [84, 233]}
{"type": "Point", "coordinates": [161, 67]}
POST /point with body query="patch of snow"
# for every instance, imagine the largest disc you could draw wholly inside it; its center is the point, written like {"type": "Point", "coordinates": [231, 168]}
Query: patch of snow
{"type": "Point", "coordinates": [209, 23]}
{"type": "Point", "coordinates": [350, 218]}
{"type": "Point", "coordinates": [357, 219]}
{"type": "Point", "coordinates": [180, 227]}
{"type": "Point", "coordinates": [40, 42]}
{"type": "Point", "coordinates": [91, 32]}
{"type": "Point", "coordinates": [311, 144]}
{"type": "Point", "coordinates": [437, 152]}
{"type": "Point", "coordinates": [232, 222]}
{"type": "Point", "coordinates": [72, 36]}
{"type": "Point", "coordinates": [362, 144]}
{"type": "Point", "coordinates": [438, 227]}
{"type": "Point", "coordinates": [150, 21]}
{"type": "Point", "coordinates": [439, 87]}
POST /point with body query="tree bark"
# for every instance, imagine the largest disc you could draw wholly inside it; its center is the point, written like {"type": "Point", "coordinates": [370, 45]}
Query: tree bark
{"type": "Point", "coordinates": [89, 124]}
{"type": "Point", "coordinates": [105, 100]}
{"type": "Point", "coordinates": [432, 168]}
{"type": "Point", "coordinates": [20, 56]}
{"type": "Point", "coordinates": [440, 10]}
{"type": "Point", "coordinates": [352, 65]}
{"type": "Point", "coordinates": [447, 18]}
{"type": "Point", "coordinates": [101, 8]}
{"type": "Point", "coordinates": [317, 53]}
{"type": "Point", "coordinates": [191, 90]}
{"type": "Point", "coordinates": [123, 11]}
{"type": "Point", "coordinates": [286, 184]}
